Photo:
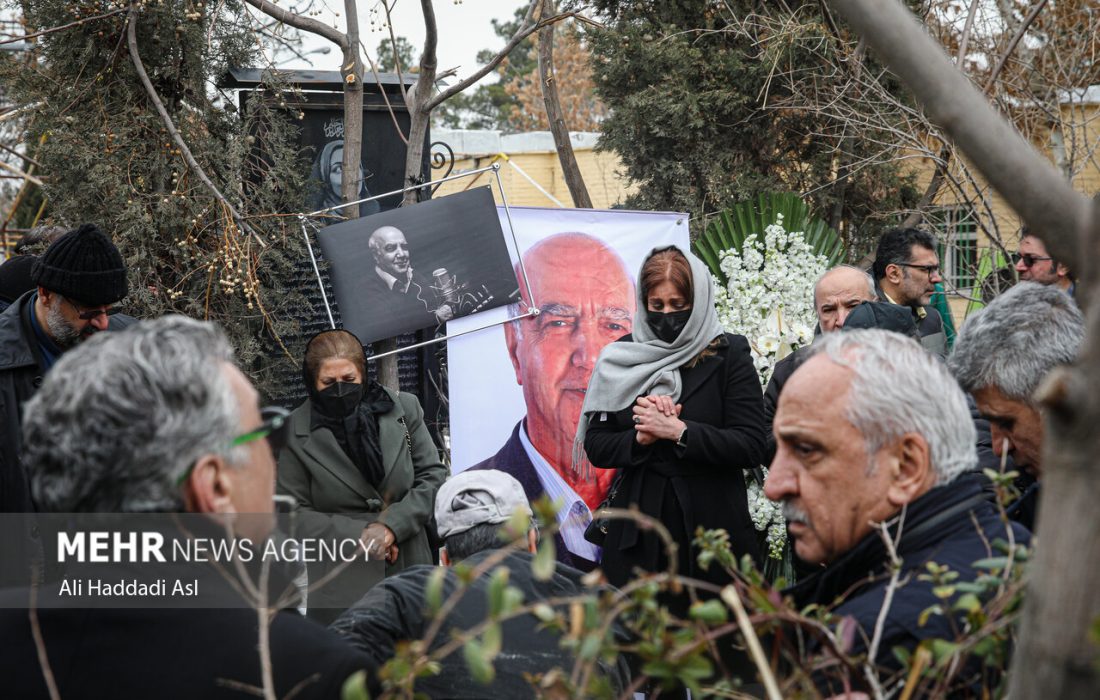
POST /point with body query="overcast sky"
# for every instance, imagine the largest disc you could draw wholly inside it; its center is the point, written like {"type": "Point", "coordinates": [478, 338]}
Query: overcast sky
{"type": "Point", "coordinates": [464, 29]}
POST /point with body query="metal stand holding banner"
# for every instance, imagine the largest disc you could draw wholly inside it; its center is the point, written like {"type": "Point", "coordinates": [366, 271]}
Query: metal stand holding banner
{"type": "Point", "coordinates": [533, 309]}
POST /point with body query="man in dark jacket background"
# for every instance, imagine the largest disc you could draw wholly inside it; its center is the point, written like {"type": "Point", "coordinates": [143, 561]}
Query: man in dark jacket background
{"type": "Point", "coordinates": [78, 280]}
{"type": "Point", "coordinates": [906, 272]}
{"type": "Point", "coordinates": [470, 510]}
{"type": "Point", "coordinates": [872, 429]}
{"type": "Point", "coordinates": [1003, 353]}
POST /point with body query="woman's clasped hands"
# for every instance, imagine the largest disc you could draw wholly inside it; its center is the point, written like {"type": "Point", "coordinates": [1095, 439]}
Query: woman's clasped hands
{"type": "Point", "coordinates": [657, 417]}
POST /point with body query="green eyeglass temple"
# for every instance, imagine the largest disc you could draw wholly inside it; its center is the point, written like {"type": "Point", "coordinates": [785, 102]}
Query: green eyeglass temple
{"type": "Point", "coordinates": [274, 417]}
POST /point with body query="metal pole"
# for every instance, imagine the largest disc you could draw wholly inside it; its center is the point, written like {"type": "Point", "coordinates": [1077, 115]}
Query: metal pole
{"type": "Point", "coordinates": [433, 341]}
{"type": "Point", "coordinates": [511, 230]}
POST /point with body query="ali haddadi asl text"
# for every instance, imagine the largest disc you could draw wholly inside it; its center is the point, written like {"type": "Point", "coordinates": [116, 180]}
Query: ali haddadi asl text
{"type": "Point", "coordinates": [128, 588]}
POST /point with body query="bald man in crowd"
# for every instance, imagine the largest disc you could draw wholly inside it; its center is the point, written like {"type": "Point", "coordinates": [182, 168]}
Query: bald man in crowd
{"type": "Point", "coordinates": [585, 297]}
{"type": "Point", "coordinates": [837, 293]}
{"type": "Point", "coordinates": [394, 282]}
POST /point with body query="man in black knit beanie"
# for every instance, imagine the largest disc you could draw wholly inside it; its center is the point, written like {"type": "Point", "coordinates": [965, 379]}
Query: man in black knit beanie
{"type": "Point", "coordinates": [77, 281]}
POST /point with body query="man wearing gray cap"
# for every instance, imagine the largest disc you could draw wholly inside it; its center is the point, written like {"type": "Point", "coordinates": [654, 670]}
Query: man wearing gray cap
{"type": "Point", "coordinates": [470, 511]}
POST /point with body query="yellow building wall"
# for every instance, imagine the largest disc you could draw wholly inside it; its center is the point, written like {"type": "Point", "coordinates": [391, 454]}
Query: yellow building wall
{"type": "Point", "coordinates": [599, 171]}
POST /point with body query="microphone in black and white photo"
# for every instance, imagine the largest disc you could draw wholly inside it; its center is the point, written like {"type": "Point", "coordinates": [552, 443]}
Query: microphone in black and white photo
{"type": "Point", "coordinates": [458, 295]}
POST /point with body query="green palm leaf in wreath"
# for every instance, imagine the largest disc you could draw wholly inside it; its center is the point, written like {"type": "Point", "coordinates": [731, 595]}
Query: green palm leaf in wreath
{"type": "Point", "coordinates": [729, 229]}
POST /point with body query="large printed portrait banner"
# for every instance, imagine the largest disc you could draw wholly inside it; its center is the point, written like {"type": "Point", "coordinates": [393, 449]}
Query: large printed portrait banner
{"type": "Point", "coordinates": [581, 265]}
{"type": "Point", "coordinates": [419, 266]}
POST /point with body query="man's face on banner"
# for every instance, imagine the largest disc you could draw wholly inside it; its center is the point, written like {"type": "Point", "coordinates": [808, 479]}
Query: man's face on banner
{"type": "Point", "coordinates": [586, 299]}
{"type": "Point", "coordinates": [391, 251]}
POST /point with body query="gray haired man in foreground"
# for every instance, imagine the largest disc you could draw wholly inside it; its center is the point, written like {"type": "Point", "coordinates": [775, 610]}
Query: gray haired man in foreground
{"type": "Point", "coordinates": [158, 420]}
{"type": "Point", "coordinates": [873, 432]}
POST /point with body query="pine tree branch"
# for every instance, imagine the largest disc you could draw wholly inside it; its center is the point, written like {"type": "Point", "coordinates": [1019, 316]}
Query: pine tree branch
{"type": "Point", "coordinates": [299, 22]}
{"type": "Point", "coordinates": [63, 27]}
{"type": "Point", "coordinates": [131, 42]}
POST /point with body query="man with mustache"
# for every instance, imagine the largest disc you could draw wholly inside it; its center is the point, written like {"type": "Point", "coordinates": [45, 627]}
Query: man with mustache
{"type": "Point", "coordinates": [1003, 353]}
{"type": "Point", "coordinates": [873, 430]}
{"type": "Point", "coordinates": [77, 282]}
{"type": "Point", "coordinates": [1034, 264]}
{"type": "Point", "coordinates": [906, 272]}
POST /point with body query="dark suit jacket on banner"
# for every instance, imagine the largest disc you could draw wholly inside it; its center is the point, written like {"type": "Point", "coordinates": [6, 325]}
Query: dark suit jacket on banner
{"type": "Point", "coordinates": [512, 459]}
{"type": "Point", "coordinates": [417, 305]}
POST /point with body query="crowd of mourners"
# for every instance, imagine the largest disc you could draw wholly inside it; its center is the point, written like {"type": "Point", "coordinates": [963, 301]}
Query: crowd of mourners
{"type": "Point", "coordinates": [876, 436]}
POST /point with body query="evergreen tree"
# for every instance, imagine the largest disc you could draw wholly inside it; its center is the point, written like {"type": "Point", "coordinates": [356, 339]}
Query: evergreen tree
{"type": "Point", "coordinates": [406, 54]}
{"type": "Point", "coordinates": [108, 158]}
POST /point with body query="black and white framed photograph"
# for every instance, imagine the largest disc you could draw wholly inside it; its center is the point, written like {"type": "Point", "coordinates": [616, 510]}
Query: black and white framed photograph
{"type": "Point", "coordinates": [419, 266]}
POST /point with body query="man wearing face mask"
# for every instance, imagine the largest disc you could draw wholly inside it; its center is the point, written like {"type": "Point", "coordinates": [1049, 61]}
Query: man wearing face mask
{"type": "Point", "coordinates": [359, 464]}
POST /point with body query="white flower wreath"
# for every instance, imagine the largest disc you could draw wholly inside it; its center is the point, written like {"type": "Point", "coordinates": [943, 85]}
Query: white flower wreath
{"type": "Point", "coordinates": [769, 300]}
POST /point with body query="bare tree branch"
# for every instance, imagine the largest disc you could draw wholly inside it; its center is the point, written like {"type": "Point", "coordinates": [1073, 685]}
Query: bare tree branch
{"type": "Point", "coordinates": [19, 173]}
{"type": "Point", "coordinates": [131, 40]}
{"type": "Point", "coordinates": [945, 153]}
{"type": "Point", "coordinates": [526, 29]}
{"type": "Point", "coordinates": [297, 21]}
{"type": "Point", "coordinates": [40, 643]}
{"type": "Point", "coordinates": [63, 27]}
{"type": "Point", "coordinates": [1020, 31]}
{"type": "Point", "coordinates": [1026, 179]}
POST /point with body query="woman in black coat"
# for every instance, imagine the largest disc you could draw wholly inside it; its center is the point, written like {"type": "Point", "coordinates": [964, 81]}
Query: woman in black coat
{"type": "Point", "coordinates": [678, 410]}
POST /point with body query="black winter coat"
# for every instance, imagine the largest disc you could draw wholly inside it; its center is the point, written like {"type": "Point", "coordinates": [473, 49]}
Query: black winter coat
{"type": "Point", "coordinates": [700, 485]}
{"type": "Point", "coordinates": [170, 653]}
{"type": "Point", "coordinates": [395, 611]}
{"type": "Point", "coordinates": [21, 372]}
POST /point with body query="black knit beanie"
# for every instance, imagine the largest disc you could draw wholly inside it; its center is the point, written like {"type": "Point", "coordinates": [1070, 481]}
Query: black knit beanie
{"type": "Point", "coordinates": [84, 266]}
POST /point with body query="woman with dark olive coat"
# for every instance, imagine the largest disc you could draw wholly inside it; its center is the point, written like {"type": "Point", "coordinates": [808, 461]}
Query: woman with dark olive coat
{"type": "Point", "coordinates": [677, 409]}
{"type": "Point", "coordinates": [359, 464]}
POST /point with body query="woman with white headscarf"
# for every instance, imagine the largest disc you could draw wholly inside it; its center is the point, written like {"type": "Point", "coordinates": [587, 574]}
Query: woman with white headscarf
{"type": "Point", "coordinates": [678, 410]}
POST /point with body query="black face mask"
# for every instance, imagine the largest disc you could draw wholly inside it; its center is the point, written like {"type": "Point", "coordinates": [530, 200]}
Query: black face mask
{"type": "Point", "coordinates": [667, 327]}
{"type": "Point", "coordinates": [340, 399]}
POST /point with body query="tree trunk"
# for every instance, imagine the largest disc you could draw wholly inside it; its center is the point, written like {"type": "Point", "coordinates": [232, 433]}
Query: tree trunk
{"type": "Point", "coordinates": [419, 105]}
{"type": "Point", "coordinates": [1055, 657]}
{"type": "Point", "coordinates": [570, 170]}
{"type": "Point", "coordinates": [352, 72]}
{"type": "Point", "coordinates": [351, 186]}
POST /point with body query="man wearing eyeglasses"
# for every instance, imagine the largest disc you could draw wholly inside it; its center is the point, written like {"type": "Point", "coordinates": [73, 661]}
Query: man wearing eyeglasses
{"type": "Point", "coordinates": [77, 281]}
{"type": "Point", "coordinates": [906, 272]}
{"type": "Point", "coordinates": [1034, 264]}
{"type": "Point", "coordinates": [159, 421]}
